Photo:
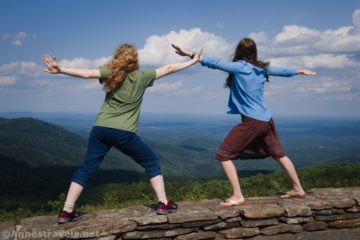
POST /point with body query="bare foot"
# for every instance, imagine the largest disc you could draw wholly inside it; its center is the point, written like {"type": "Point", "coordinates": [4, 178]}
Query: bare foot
{"type": "Point", "coordinates": [293, 194]}
{"type": "Point", "coordinates": [232, 201]}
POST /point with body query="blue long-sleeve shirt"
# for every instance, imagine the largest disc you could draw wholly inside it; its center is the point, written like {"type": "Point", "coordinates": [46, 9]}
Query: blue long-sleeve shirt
{"type": "Point", "coordinates": [247, 87]}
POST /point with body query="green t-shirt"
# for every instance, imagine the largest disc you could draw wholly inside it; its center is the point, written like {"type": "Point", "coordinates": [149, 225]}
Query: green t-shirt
{"type": "Point", "coordinates": [121, 108]}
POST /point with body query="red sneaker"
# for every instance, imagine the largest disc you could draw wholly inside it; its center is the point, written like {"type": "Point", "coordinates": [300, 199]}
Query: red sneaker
{"type": "Point", "coordinates": [164, 209]}
{"type": "Point", "coordinates": [64, 217]}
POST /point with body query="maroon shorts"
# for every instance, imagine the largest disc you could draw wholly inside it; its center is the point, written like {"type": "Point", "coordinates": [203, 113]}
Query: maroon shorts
{"type": "Point", "coordinates": [251, 139]}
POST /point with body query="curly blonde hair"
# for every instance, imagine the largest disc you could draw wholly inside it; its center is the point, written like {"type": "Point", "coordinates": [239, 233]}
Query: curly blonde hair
{"type": "Point", "coordinates": [125, 61]}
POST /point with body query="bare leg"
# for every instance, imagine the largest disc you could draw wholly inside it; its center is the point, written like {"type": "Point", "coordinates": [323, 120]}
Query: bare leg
{"type": "Point", "coordinates": [231, 174]}
{"type": "Point", "coordinates": [73, 194]}
{"type": "Point", "coordinates": [289, 168]}
{"type": "Point", "coordinates": [157, 184]}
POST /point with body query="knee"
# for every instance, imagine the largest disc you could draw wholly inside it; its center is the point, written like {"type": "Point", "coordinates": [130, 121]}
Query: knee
{"type": "Point", "coordinates": [153, 170]}
{"type": "Point", "coordinates": [279, 158]}
{"type": "Point", "coordinates": [151, 166]}
{"type": "Point", "coordinates": [80, 178]}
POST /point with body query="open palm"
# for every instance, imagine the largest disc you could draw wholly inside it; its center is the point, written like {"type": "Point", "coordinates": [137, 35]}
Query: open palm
{"type": "Point", "coordinates": [51, 65]}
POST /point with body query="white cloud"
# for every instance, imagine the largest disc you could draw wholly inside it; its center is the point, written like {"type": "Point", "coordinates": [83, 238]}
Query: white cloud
{"type": "Point", "coordinates": [83, 62]}
{"type": "Point", "coordinates": [356, 20]}
{"type": "Point", "coordinates": [18, 38]}
{"type": "Point", "coordinates": [297, 40]}
{"type": "Point", "coordinates": [8, 80]}
{"type": "Point", "coordinates": [166, 87]}
{"type": "Point", "coordinates": [20, 68]}
{"type": "Point", "coordinates": [174, 89]}
{"type": "Point", "coordinates": [302, 46]}
{"type": "Point", "coordinates": [314, 85]}
{"type": "Point", "coordinates": [330, 61]}
{"type": "Point", "coordinates": [324, 85]}
{"type": "Point", "coordinates": [296, 35]}
{"type": "Point", "coordinates": [157, 49]}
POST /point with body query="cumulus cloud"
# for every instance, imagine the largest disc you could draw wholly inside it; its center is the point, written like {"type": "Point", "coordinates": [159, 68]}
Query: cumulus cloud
{"type": "Point", "coordinates": [28, 68]}
{"type": "Point", "coordinates": [8, 80]}
{"type": "Point", "coordinates": [318, 85]}
{"type": "Point", "coordinates": [324, 85]}
{"type": "Point", "coordinates": [174, 89]}
{"type": "Point", "coordinates": [17, 39]}
{"type": "Point", "coordinates": [157, 49]}
{"type": "Point", "coordinates": [330, 61]}
{"type": "Point", "coordinates": [166, 86]}
{"type": "Point", "coordinates": [308, 47]}
{"type": "Point", "coordinates": [296, 35]}
{"type": "Point", "coordinates": [295, 40]}
{"type": "Point", "coordinates": [83, 62]}
{"type": "Point", "coordinates": [356, 20]}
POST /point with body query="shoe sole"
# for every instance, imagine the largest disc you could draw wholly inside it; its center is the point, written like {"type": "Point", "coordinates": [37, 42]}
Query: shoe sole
{"type": "Point", "coordinates": [159, 212]}
{"type": "Point", "coordinates": [66, 220]}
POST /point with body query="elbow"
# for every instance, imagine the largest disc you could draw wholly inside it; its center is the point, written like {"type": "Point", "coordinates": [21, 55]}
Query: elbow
{"type": "Point", "coordinates": [86, 75]}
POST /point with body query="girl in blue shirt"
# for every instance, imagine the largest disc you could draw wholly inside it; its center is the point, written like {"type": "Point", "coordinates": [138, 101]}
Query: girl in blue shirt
{"type": "Point", "coordinates": [255, 137]}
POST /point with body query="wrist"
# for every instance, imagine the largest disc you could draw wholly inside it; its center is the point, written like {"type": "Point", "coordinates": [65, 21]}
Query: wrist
{"type": "Point", "coordinates": [300, 71]}
{"type": "Point", "coordinates": [192, 55]}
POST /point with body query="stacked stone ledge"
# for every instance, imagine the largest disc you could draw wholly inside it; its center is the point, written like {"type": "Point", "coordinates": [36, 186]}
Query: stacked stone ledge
{"type": "Point", "coordinates": [262, 218]}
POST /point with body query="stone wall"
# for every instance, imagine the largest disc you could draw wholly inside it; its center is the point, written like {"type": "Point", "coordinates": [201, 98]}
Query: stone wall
{"type": "Point", "coordinates": [324, 212]}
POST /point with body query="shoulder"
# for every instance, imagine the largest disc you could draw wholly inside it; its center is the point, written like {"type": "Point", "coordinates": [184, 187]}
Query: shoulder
{"type": "Point", "coordinates": [151, 73]}
{"type": "Point", "coordinates": [246, 67]}
{"type": "Point", "coordinates": [105, 73]}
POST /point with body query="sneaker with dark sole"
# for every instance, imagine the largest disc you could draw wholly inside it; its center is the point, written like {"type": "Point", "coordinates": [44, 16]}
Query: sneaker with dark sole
{"type": "Point", "coordinates": [65, 217]}
{"type": "Point", "coordinates": [163, 209]}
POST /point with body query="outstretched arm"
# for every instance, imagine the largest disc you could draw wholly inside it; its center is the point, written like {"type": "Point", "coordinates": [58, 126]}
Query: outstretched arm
{"type": "Point", "coordinates": [289, 72]}
{"type": "Point", "coordinates": [53, 68]}
{"type": "Point", "coordinates": [172, 68]}
{"type": "Point", "coordinates": [230, 67]}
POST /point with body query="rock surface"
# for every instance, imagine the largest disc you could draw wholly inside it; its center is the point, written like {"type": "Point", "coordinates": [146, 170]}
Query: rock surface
{"type": "Point", "coordinates": [323, 214]}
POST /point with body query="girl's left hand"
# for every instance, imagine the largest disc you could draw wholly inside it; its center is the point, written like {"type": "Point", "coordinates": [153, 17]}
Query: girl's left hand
{"type": "Point", "coordinates": [306, 72]}
{"type": "Point", "coordinates": [198, 56]}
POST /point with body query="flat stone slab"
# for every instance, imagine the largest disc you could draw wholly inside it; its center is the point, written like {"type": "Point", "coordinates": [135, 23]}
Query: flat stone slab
{"type": "Point", "coordinates": [191, 215]}
{"type": "Point", "coordinates": [262, 211]}
{"type": "Point", "coordinates": [338, 234]}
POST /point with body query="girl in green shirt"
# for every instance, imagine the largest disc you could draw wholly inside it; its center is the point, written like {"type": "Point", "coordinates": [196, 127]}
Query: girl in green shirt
{"type": "Point", "coordinates": [117, 121]}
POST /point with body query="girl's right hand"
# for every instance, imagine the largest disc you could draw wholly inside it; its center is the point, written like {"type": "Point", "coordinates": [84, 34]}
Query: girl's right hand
{"type": "Point", "coordinates": [52, 66]}
{"type": "Point", "coordinates": [181, 51]}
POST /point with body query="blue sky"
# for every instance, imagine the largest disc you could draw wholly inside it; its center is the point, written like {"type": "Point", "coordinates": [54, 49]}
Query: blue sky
{"type": "Point", "coordinates": [84, 34]}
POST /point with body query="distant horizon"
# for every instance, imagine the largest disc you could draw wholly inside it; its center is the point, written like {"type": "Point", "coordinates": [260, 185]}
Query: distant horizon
{"type": "Point", "coordinates": [193, 114]}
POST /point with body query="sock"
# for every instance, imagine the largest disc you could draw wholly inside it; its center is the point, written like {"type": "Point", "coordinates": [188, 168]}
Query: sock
{"type": "Point", "coordinates": [69, 207]}
{"type": "Point", "coordinates": [162, 198]}
{"type": "Point", "coordinates": [158, 185]}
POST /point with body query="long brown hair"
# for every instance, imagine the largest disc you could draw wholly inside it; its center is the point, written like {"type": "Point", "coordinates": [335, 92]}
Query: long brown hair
{"type": "Point", "coordinates": [124, 61]}
{"type": "Point", "coordinates": [246, 50]}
